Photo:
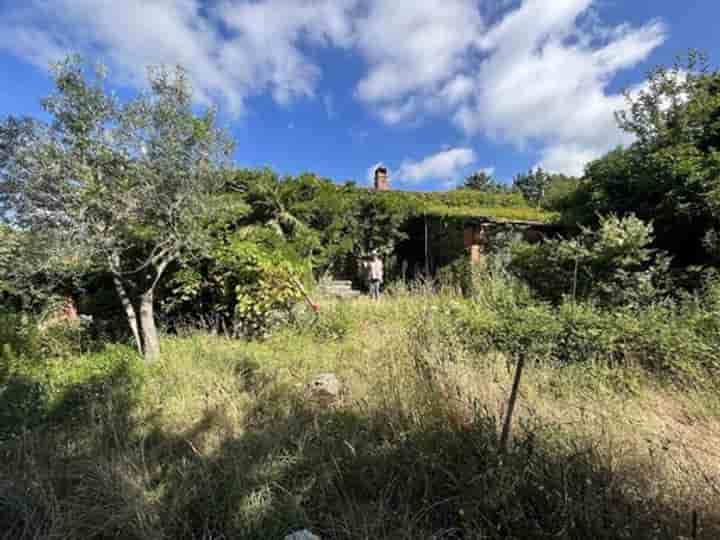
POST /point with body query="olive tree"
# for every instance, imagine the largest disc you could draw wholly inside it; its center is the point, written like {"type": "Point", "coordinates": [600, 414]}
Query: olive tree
{"type": "Point", "coordinates": [123, 187]}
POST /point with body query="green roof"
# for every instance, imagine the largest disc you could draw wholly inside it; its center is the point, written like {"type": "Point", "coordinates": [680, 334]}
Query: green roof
{"type": "Point", "coordinates": [472, 205]}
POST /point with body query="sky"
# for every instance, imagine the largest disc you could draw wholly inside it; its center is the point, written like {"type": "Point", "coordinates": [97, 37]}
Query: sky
{"type": "Point", "coordinates": [432, 89]}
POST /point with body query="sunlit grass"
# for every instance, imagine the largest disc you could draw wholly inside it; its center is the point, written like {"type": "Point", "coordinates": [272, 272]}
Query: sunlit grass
{"type": "Point", "coordinates": [219, 442]}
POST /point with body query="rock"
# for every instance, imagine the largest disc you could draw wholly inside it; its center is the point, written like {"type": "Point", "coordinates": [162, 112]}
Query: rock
{"type": "Point", "coordinates": [325, 389]}
{"type": "Point", "coordinates": [302, 535]}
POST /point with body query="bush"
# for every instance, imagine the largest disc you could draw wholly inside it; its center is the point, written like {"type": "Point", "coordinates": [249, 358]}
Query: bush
{"type": "Point", "coordinates": [22, 338]}
{"type": "Point", "coordinates": [18, 336]}
{"type": "Point", "coordinates": [677, 341]}
{"type": "Point", "coordinates": [613, 265]}
{"type": "Point", "coordinates": [458, 276]}
{"type": "Point", "coordinates": [333, 322]}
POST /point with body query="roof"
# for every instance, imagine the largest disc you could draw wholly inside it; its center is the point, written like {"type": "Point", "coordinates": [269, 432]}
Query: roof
{"type": "Point", "coordinates": [468, 204]}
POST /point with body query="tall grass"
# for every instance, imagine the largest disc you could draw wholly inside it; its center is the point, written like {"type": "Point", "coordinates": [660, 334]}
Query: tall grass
{"type": "Point", "coordinates": [218, 442]}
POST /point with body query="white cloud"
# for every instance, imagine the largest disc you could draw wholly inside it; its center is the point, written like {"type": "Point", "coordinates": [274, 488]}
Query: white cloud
{"type": "Point", "coordinates": [397, 113]}
{"type": "Point", "coordinates": [546, 80]}
{"type": "Point", "coordinates": [539, 74]}
{"type": "Point", "coordinates": [519, 71]}
{"type": "Point", "coordinates": [233, 49]}
{"type": "Point", "coordinates": [445, 166]}
{"type": "Point", "coordinates": [569, 158]}
{"type": "Point", "coordinates": [413, 46]}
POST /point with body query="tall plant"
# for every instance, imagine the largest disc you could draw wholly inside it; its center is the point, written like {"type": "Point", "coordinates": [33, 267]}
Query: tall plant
{"type": "Point", "coordinates": [118, 187]}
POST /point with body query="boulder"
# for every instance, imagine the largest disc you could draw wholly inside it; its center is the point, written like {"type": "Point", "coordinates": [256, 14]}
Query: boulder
{"type": "Point", "coordinates": [325, 389]}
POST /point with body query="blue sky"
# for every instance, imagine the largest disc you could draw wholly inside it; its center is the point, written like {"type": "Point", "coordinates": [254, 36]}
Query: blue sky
{"type": "Point", "coordinates": [433, 89]}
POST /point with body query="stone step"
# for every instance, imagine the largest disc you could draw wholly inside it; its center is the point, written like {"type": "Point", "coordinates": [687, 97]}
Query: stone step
{"type": "Point", "coordinates": [342, 282]}
{"type": "Point", "coordinates": [339, 288]}
{"type": "Point", "coordinates": [340, 292]}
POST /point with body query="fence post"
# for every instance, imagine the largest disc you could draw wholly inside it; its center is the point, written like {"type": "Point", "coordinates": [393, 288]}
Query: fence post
{"type": "Point", "coordinates": [505, 436]}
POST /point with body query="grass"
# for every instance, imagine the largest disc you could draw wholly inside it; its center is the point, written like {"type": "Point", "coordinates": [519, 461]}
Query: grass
{"type": "Point", "coordinates": [470, 204]}
{"type": "Point", "coordinates": [217, 442]}
{"type": "Point", "coordinates": [499, 213]}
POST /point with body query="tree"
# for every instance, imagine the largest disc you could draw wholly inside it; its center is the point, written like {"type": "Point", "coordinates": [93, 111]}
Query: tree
{"type": "Point", "coordinates": [122, 188]}
{"type": "Point", "coordinates": [481, 181]}
{"type": "Point", "coordinates": [671, 173]}
{"type": "Point", "coordinates": [533, 185]}
{"type": "Point", "coordinates": [8, 249]}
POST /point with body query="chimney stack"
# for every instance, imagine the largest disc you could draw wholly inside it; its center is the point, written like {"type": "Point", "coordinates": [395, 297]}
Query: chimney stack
{"type": "Point", "coordinates": [381, 179]}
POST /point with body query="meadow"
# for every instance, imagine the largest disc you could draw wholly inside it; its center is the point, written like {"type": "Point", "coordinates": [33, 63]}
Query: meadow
{"type": "Point", "coordinates": [218, 440]}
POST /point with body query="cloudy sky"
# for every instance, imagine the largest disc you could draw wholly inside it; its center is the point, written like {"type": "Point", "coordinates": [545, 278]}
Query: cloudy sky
{"type": "Point", "coordinates": [433, 89]}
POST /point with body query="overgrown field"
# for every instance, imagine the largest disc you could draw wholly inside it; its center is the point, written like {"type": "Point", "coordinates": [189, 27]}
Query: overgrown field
{"type": "Point", "coordinates": [617, 434]}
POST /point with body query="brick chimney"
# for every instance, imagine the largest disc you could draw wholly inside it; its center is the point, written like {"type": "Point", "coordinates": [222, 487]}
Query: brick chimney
{"type": "Point", "coordinates": [381, 179]}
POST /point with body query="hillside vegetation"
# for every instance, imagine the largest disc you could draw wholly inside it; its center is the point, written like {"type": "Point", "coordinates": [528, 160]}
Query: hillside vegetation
{"type": "Point", "coordinates": [616, 436]}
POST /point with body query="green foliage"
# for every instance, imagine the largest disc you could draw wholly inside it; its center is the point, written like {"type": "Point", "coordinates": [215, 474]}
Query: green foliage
{"type": "Point", "coordinates": [18, 336]}
{"type": "Point", "coordinates": [121, 188]}
{"type": "Point", "coordinates": [566, 195]}
{"type": "Point", "coordinates": [60, 390]}
{"type": "Point", "coordinates": [8, 245]}
{"type": "Point", "coordinates": [613, 265]}
{"type": "Point", "coordinates": [246, 286]}
{"type": "Point", "coordinates": [266, 292]}
{"type": "Point", "coordinates": [333, 322]}
{"type": "Point", "coordinates": [677, 342]}
{"type": "Point", "coordinates": [379, 222]}
{"type": "Point", "coordinates": [670, 174]}
{"type": "Point", "coordinates": [533, 185]}
{"type": "Point", "coordinates": [468, 203]}
{"type": "Point", "coordinates": [483, 181]}
{"type": "Point", "coordinates": [458, 276]}
{"type": "Point", "coordinates": [23, 339]}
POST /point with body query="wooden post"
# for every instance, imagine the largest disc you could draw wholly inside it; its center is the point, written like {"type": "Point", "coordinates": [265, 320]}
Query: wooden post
{"type": "Point", "coordinates": [505, 436]}
{"type": "Point", "coordinates": [476, 242]}
{"type": "Point", "coordinates": [427, 249]}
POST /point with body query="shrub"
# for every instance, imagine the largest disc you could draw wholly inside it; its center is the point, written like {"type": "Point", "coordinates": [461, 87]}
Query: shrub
{"type": "Point", "coordinates": [679, 342]}
{"type": "Point", "coordinates": [22, 338]}
{"type": "Point", "coordinates": [333, 322]}
{"type": "Point", "coordinates": [588, 334]}
{"type": "Point", "coordinates": [531, 330]}
{"type": "Point", "coordinates": [457, 276]}
{"type": "Point", "coordinates": [18, 336]}
{"type": "Point", "coordinates": [613, 265]}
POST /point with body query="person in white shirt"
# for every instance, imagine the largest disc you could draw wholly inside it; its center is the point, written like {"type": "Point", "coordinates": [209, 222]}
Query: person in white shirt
{"type": "Point", "coordinates": [375, 272]}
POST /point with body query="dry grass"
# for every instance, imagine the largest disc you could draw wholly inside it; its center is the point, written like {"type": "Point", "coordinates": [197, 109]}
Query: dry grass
{"type": "Point", "coordinates": [218, 443]}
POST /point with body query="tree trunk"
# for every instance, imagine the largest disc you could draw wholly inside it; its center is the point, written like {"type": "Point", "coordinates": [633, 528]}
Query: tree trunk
{"type": "Point", "coordinates": [151, 342]}
{"type": "Point", "coordinates": [130, 312]}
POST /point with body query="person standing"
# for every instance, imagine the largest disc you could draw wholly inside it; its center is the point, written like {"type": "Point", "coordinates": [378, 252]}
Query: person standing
{"type": "Point", "coordinates": [375, 275]}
